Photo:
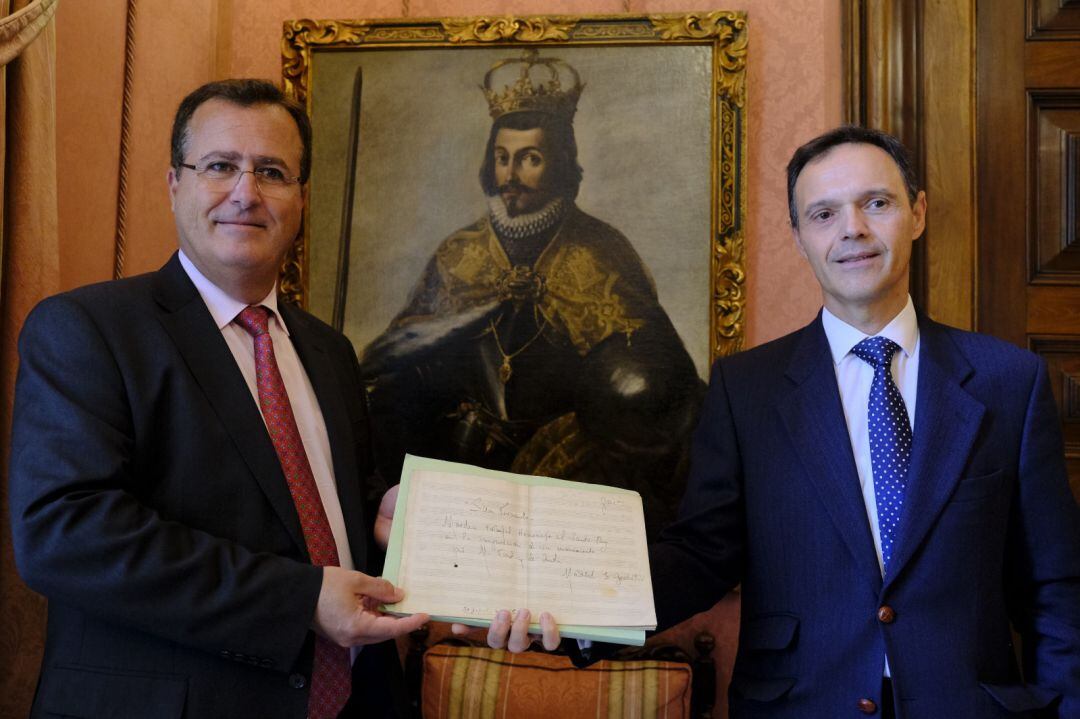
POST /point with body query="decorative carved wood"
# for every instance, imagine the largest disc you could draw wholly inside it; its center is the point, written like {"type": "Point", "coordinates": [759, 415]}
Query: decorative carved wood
{"type": "Point", "coordinates": [1053, 19]}
{"type": "Point", "coordinates": [1054, 127]}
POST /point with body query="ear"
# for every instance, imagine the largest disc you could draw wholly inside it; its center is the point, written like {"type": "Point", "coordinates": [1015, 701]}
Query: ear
{"type": "Point", "coordinates": [174, 186]}
{"type": "Point", "coordinates": [798, 242]}
{"type": "Point", "coordinates": [918, 209]}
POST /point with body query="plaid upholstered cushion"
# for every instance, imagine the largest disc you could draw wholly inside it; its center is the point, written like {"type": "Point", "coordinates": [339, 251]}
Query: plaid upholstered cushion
{"type": "Point", "coordinates": [478, 682]}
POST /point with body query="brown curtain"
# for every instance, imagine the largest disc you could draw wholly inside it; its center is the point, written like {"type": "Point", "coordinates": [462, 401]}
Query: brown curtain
{"type": "Point", "coordinates": [30, 271]}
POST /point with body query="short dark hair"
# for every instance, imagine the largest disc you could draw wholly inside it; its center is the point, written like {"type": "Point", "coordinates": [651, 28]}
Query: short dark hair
{"type": "Point", "coordinates": [245, 93]}
{"type": "Point", "coordinates": [843, 135]}
{"type": "Point", "coordinates": [559, 138]}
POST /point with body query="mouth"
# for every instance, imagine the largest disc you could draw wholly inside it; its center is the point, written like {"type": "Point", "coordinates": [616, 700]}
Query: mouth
{"type": "Point", "coordinates": [240, 224]}
{"type": "Point", "coordinates": [856, 258]}
{"type": "Point", "coordinates": [515, 190]}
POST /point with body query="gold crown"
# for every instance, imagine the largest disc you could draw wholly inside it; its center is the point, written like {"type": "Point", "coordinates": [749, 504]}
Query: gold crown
{"type": "Point", "coordinates": [526, 95]}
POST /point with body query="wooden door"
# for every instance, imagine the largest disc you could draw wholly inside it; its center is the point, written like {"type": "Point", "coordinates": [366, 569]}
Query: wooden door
{"type": "Point", "coordinates": [1028, 189]}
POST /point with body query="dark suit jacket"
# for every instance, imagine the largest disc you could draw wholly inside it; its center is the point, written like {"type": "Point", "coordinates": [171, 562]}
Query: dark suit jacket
{"type": "Point", "coordinates": [990, 533]}
{"type": "Point", "coordinates": [149, 507]}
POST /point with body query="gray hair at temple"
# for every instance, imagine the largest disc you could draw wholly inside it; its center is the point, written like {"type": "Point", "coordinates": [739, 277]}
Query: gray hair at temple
{"type": "Point", "coordinates": [844, 135]}
{"type": "Point", "coordinates": [245, 93]}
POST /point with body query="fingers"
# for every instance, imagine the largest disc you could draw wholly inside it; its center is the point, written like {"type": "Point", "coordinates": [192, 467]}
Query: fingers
{"type": "Point", "coordinates": [385, 517]}
{"type": "Point", "coordinates": [459, 630]}
{"type": "Point", "coordinates": [374, 628]}
{"type": "Point", "coordinates": [389, 501]}
{"type": "Point", "coordinates": [549, 632]}
{"type": "Point", "coordinates": [519, 632]}
{"type": "Point", "coordinates": [499, 629]}
{"type": "Point", "coordinates": [377, 588]}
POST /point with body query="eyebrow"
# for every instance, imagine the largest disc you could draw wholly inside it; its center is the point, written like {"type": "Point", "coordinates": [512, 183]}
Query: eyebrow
{"type": "Point", "coordinates": [520, 149]}
{"type": "Point", "coordinates": [236, 156]}
{"type": "Point", "coordinates": [830, 201]}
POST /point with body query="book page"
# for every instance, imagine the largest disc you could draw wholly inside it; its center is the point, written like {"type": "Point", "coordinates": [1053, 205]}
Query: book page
{"type": "Point", "coordinates": [461, 555]}
{"type": "Point", "coordinates": [474, 545]}
{"type": "Point", "coordinates": [592, 558]}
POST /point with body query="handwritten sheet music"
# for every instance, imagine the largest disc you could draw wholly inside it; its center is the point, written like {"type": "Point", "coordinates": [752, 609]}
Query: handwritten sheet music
{"type": "Point", "coordinates": [475, 544]}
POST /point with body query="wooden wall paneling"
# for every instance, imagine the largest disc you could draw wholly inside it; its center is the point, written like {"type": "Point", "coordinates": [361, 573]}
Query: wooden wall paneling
{"type": "Point", "coordinates": [1029, 171]}
{"type": "Point", "coordinates": [1051, 309]}
{"type": "Point", "coordinates": [1062, 355]}
{"type": "Point", "coordinates": [910, 70]}
{"type": "Point", "coordinates": [948, 89]}
{"type": "Point", "coordinates": [1053, 19]}
{"type": "Point", "coordinates": [1051, 64]}
{"type": "Point", "coordinates": [1001, 187]}
{"type": "Point", "coordinates": [1054, 139]}
{"type": "Point", "coordinates": [882, 67]}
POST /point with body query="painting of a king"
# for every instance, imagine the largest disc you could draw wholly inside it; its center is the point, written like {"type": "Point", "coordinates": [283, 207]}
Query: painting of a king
{"type": "Point", "coordinates": [533, 340]}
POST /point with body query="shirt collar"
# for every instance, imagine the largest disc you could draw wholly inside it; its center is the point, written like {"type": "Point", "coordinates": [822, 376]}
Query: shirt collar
{"type": "Point", "coordinates": [902, 329]}
{"type": "Point", "coordinates": [224, 308]}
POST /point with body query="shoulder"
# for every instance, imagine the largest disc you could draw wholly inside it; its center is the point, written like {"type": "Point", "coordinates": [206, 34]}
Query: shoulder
{"type": "Point", "coordinates": [769, 358]}
{"type": "Point", "coordinates": [106, 305]}
{"type": "Point", "coordinates": [303, 322]}
{"type": "Point", "coordinates": [469, 233]}
{"type": "Point", "coordinates": [587, 240]}
{"type": "Point", "coordinates": [476, 234]}
{"type": "Point", "coordinates": [581, 224]}
{"type": "Point", "coordinates": [982, 351]}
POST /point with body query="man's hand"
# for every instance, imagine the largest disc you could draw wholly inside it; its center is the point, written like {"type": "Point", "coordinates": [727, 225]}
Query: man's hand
{"type": "Point", "coordinates": [511, 631]}
{"type": "Point", "coordinates": [385, 517]}
{"type": "Point", "coordinates": [347, 612]}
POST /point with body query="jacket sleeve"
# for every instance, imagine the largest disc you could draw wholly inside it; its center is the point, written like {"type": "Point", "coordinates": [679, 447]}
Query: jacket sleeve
{"type": "Point", "coordinates": [700, 557]}
{"type": "Point", "coordinates": [1044, 555]}
{"type": "Point", "coordinates": [85, 534]}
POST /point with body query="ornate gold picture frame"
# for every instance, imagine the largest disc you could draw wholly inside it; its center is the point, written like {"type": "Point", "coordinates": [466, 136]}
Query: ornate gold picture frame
{"type": "Point", "coordinates": [722, 36]}
{"type": "Point", "coordinates": [532, 231]}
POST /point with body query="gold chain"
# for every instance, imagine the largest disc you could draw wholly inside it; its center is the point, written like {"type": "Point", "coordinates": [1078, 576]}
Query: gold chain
{"type": "Point", "coordinates": [505, 369]}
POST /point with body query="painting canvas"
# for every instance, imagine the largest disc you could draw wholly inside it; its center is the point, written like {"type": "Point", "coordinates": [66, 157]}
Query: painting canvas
{"type": "Point", "coordinates": [531, 230]}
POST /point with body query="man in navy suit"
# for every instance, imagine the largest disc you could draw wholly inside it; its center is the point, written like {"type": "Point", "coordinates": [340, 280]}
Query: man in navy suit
{"type": "Point", "coordinates": [890, 492]}
{"type": "Point", "coordinates": [190, 476]}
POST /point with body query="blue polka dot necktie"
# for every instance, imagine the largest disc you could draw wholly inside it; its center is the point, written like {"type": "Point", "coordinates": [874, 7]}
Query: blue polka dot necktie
{"type": "Point", "coordinates": [890, 439]}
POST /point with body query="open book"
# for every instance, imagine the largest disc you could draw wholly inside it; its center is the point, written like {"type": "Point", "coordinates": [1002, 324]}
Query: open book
{"type": "Point", "coordinates": [467, 542]}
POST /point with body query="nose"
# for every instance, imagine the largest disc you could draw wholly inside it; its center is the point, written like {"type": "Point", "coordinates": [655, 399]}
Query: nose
{"type": "Point", "coordinates": [854, 223]}
{"type": "Point", "coordinates": [246, 190]}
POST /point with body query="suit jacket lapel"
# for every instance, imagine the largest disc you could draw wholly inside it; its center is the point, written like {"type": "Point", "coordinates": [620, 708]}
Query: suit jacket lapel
{"type": "Point", "coordinates": [328, 391]}
{"type": "Point", "coordinates": [947, 421]}
{"type": "Point", "coordinates": [814, 417]}
{"type": "Point", "coordinates": [199, 341]}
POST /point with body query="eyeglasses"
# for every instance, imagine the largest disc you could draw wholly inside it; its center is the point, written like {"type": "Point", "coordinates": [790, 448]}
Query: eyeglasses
{"type": "Point", "coordinates": [221, 176]}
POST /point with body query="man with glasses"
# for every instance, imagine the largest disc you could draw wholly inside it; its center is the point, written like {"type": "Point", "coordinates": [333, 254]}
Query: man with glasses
{"type": "Point", "coordinates": [190, 476]}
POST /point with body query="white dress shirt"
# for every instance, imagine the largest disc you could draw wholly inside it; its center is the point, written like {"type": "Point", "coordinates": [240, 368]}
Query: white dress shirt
{"type": "Point", "coordinates": [305, 407]}
{"type": "Point", "coordinates": [854, 376]}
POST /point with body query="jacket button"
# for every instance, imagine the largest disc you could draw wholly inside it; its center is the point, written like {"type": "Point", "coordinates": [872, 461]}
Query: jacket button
{"type": "Point", "coordinates": [867, 706]}
{"type": "Point", "coordinates": [886, 615]}
{"type": "Point", "coordinates": [297, 681]}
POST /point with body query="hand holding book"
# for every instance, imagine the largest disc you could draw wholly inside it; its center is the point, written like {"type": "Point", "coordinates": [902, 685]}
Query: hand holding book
{"type": "Point", "coordinates": [510, 630]}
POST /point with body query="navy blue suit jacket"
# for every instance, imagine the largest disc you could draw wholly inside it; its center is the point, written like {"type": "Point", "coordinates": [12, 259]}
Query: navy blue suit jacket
{"type": "Point", "coordinates": [148, 505]}
{"type": "Point", "coordinates": [990, 534]}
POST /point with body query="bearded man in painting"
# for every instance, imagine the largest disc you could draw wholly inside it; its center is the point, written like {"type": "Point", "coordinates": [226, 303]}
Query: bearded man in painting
{"type": "Point", "coordinates": [534, 340]}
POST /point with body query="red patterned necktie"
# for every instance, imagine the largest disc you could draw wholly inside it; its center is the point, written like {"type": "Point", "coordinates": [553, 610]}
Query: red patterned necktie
{"type": "Point", "coordinates": [331, 675]}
